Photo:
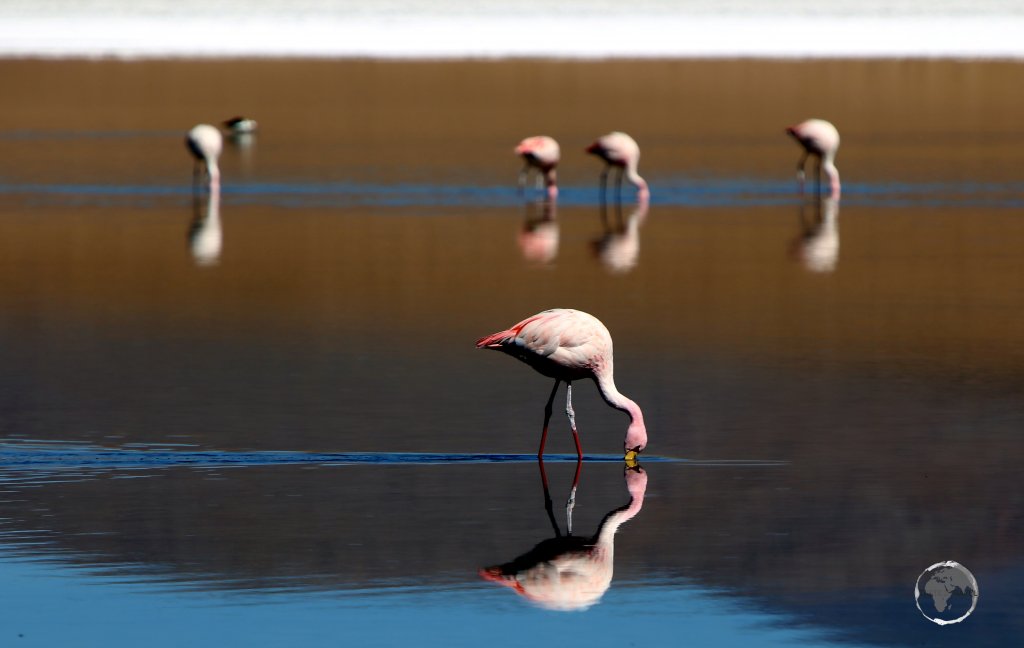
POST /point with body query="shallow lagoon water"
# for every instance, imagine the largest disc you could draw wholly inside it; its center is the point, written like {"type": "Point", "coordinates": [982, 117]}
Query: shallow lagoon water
{"type": "Point", "coordinates": [293, 439]}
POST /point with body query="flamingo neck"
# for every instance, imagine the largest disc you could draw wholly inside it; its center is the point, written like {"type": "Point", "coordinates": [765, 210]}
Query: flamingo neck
{"type": "Point", "coordinates": [829, 167]}
{"type": "Point", "coordinates": [214, 171]}
{"type": "Point", "coordinates": [550, 179]}
{"type": "Point", "coordinates": [610, 525]}
{"type": "Point", "coordinates": [619, 401]}
{"type": "Point", "coordinates": [213, 207]}
{"type": "Point", "coordinates": [643, 193]}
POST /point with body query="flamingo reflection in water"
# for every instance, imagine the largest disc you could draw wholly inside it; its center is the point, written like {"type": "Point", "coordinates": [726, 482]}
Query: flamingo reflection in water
{"type": "Point", "coordinates": [618, 249]}
{"type": "Point", "coordinates": [817, 246]}
{"type": "Point", "coordinates": [205, 236]}
{"type": "Point", "coordinates": [570, 572]}
{"type": "Point", "coordinates": [538, 238]}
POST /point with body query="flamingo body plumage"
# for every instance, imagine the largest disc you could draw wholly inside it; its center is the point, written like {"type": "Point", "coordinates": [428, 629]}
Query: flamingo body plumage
{"type": "Point", "coordinates": [205, 142]}
{"type": "Point", "coordinates": [568, 345]}
{"type": "Point", "coordinates": [542, 153]}
{"type": "Point", "coordinates": [621, 151]}
{"type": "Point", "coordinates": [820, 139]}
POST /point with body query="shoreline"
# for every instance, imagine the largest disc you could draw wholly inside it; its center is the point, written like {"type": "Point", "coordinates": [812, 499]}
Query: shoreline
{"type": "Point", "coordinates": [461, 35]}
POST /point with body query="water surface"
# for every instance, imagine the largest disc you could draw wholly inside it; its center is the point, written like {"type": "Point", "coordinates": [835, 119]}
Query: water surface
{"type": "Point", "coordinates": [265, 414]}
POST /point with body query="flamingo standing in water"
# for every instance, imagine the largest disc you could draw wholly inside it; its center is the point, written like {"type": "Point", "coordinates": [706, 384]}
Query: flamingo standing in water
{"type": "Point", "coordinates": [542, 153]}
{"type": "Point", "coordinates": [569, 345]}
{"type": "Point", "coordinates": [820, 139]}
{"type": "Point", "coordinates": [621, 151]}
{"type": "Point", "coordinates": [205, 143]}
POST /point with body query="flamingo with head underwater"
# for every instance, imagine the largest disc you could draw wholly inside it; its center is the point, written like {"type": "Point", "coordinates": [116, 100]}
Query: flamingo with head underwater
{"type": "Point", "coordinates": [569, 345]}
{"type": "Point", "coordinates": [542, 153]}
{"type": "Point", "coordinates": [622, 152]}
{"type": "Point", "coordinates": [820, 139]}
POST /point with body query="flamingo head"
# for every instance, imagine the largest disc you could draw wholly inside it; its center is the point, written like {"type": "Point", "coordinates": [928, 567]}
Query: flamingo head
{"type": "Point", "coordinates": [636, 439]}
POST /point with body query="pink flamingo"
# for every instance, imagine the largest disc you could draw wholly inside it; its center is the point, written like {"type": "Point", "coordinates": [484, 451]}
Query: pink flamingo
{"type": "Point", "coordinates": [571, 572]}
{"type": "Point", "coordinates": [820, 139]}
{"type": "Point", "coordinates": [205, 143]}
{"type": "Point", "coordinates": [542, 153]}
{"type": "Point", "coordinates": [621, 151]}
{"type": "Point", "coordinates": [570, 345]}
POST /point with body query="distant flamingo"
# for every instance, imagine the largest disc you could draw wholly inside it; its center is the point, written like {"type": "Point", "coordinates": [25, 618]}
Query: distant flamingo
{"type": "Point", "coordinates": [820, 139]}
{"type": "Point", "coordinates": [241, 125]}
{"type": "Point", "coordinates": [570, 345]}
{"type": "Point", "coordinates": [205, 143]}
{"type": "Point", "coordinates": [542, 153]}
{"type": "Point", "coordinates": [621, 151]}
{"type": "Point", "coordinates": [570, 572]}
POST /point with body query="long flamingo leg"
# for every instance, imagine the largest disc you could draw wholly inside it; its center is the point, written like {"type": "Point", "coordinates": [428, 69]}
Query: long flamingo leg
{"type": "Point", "coordinates": [547, 498]}
{"type": "Point", "coordinates": [547, 419]}
{"type": "Point", "coordinates": [604, 184]}
{"type": "Point", "coordinates": [568, 407]}
{"type": "Point", "coordinates": [572, 419]}
{"type": "Point", "coordinates": [800, 172]}
{"type": "Point", "coordinates": [523, 176]}
{"type": "Point", "coordinates": [604, 217]}
{"type": "Point", "coordinates": [571, 503]}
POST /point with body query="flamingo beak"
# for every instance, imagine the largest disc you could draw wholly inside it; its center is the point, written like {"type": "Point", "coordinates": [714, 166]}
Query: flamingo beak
{"type": "Point", "coordinates": [631, 456]}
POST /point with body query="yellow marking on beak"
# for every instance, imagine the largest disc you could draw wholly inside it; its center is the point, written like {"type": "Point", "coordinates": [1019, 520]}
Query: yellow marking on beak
{"type": "Point", "coordinates": [630, 458]}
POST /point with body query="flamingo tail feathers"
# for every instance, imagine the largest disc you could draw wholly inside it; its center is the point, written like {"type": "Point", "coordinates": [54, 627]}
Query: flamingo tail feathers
{"type": "Point", "coordinates": [495, 340]}
{"type": "Point", "coordinates": [502, 338]}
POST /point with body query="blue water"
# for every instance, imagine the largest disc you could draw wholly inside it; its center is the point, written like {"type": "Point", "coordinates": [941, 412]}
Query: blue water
{"type": "Point", "coordinates": [679, 192]}
{"type": "Point", "coordinates": [118, 610]}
